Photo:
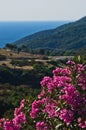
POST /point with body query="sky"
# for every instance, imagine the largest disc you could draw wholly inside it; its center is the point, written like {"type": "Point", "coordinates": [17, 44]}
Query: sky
{"type": "Point", "coordinates": [42, 10]}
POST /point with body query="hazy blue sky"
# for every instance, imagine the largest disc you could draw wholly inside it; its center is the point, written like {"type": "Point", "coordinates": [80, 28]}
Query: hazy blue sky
{"type": "Point", "coordinates": [25, 10]}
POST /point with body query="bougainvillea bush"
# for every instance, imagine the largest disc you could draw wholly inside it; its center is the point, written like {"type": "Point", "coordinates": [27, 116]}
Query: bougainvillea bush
{"type": "Point", "coordinates": [61, 105]}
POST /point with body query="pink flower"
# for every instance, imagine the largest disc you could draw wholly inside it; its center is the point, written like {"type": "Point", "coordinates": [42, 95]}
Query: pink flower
{"type": "Point", "coordinates": [50, 108]}
{"type": "Point", "coordinates": [20, 118]}
{"type": "Point", "coordinates": [60, 71]}
{"type": "Point", "coordinates": [41, 125]}
{"type": "Point", "coordinates": [8, 125]}
{"type": "Point", "coordinates": [45, 81]}
{"type": "Point", "coordinates": [81, 123]}
{"type": "Point", "coordinates": [36, 105]}
{"type": "Point", "coordinates": [70, 63]}
{"type": "Point", "coordinates": [41, 95]}
{"type": "Point", "coordinates": [66, 116]}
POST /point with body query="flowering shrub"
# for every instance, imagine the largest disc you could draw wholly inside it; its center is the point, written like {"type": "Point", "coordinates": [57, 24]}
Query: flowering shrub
{"type": "Point", "coordinates": [16, 122]}
{"type": "Point", "coordinates": [61, 105]}
{"type": "Point", "coordinates": [62, 101]}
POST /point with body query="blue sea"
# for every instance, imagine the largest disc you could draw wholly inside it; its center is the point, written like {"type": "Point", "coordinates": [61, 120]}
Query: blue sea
{"type": "Point", "coordinates": [12, 31]}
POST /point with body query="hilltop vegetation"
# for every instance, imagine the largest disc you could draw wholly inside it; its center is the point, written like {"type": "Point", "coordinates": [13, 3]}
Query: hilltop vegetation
{"type": "Point", "coordinates": [68, 39]}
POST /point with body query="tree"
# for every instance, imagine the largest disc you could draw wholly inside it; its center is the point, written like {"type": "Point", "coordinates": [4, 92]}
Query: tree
{"type": "Point", "coordinates": [11, 46]}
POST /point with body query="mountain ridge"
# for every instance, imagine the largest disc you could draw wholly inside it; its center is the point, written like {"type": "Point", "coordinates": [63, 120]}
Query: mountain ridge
{"type": "Point", "coordinates": [68, 37]}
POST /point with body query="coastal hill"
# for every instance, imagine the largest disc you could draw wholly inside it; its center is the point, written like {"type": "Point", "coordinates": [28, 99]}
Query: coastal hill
{"type": "Point", "coordinates": [68, 39]}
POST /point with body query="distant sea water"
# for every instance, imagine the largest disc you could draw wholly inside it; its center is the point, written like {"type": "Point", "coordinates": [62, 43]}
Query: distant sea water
{"type": "Point", "coordinates": [12, 31]}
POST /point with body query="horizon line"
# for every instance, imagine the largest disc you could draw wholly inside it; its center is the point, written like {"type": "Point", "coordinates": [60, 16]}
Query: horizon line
{"type": "Point", "coordinates": [36, 20]}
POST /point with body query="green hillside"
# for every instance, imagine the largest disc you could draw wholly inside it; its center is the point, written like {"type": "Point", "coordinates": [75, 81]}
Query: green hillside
{"type": "Point", "coordinates": [68, 39]}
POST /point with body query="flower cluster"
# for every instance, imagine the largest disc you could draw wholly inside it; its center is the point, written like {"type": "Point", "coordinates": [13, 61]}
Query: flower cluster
{"type": "Point", "coordinates": [36, 108]}
{"type": "Point", "coordinates": [17, 121]}
{"type": "Point", "coordinates": [62, 99]}
{"type": "Point", "coordinates": [41, 125]}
